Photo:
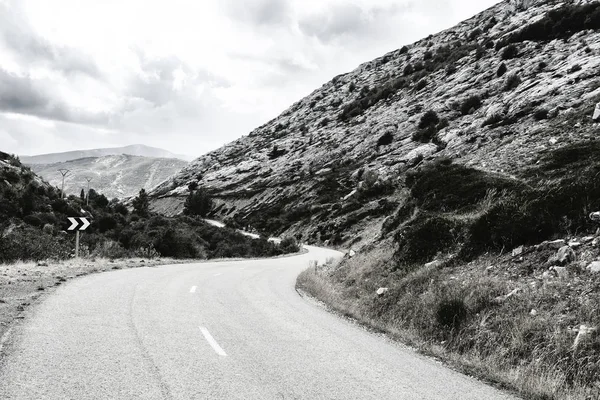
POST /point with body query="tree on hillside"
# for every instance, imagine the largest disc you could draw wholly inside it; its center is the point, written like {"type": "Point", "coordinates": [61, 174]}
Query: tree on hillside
{"type": "Point", "coordinates": [82, 195]}
{"type": "Point", "coordinates": [141, 204]}
{"type": "Point", "coordinates": [198, 202]}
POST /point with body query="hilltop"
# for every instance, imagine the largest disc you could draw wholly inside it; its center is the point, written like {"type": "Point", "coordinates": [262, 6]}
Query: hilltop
{"type": "Point", "coordinates": [133, 150]}
{"type": "Point", "coordinates": [119, 176]}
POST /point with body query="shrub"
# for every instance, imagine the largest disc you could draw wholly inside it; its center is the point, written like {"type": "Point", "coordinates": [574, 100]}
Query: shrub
{"type": "Point", "coordinates": [450, 314]}
{"type": "Point", "coordinates": [409, 69]}
{"type": "Point", "coordinates": [276, 152]}
{"type": "Point", "coordinates": [425, 135]}
{"type": "Point", "coordinates": [404, 50]}
{"type": "Point", "coordinates": [289, 245]}
{"type": "Point", "coordinates": [141, 204]}
{"type": "Point", "coordinates": [575, 68]}
{"type": "Point", "coordinates": [512, 82]}
{"type": "Point", "coordinates": [426, 236]}
{"type": "Point", "coordinates": [385, 139]}
{"type": "Point", "coordinates": [470, 104]}
{"type": "Point", "coordinates": [501, 70]}
{"type": "Point", "coordinates": [511, 51]}
{"type": "Point", "coordinates": [428, 119]}
{"type": "Point", "coordinates": [198, 203]}
{"type": "Point", "coordinates": [422, 84]}
{"type": "Point", "coordinates": [561, 23]}
{"type": "Point", "coordinates": [541, 114]}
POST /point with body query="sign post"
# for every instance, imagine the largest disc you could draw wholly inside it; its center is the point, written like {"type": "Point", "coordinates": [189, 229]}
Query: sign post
{"type": "Point", "coordinates": [77, 225]}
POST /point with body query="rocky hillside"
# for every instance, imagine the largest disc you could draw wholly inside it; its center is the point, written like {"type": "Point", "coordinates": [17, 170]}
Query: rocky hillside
{"type": "Point", "coordinates": [118, 176]}
{"type": "Point", "coordinates": [133, 150]}
{"type": "Point", "coordinates": [492, 93]}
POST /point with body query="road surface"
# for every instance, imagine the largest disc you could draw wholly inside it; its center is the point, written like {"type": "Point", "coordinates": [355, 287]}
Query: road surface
{"type": "Point", "coordinates": [218, 330]}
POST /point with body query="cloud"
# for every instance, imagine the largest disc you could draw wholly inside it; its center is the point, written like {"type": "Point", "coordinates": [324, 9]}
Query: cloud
{"type": "Point", "coordinates": [23, 95]}
{"type": "Point", "coordinates": [18, 36]}
{"type": "Point", "coordinates": [346, 21]}
{"type": "Point", "coordinates": [259, 12]}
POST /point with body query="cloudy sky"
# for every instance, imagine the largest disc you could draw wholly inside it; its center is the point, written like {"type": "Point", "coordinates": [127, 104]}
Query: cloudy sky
{"type": "Point", "coordinates": [184, 75]}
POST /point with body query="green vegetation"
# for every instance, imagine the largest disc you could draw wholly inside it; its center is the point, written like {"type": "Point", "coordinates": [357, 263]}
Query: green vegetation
{"type": "Point", "coordinates": [561, 23]}
{"type": "Point", "coordinates": [34, 217]}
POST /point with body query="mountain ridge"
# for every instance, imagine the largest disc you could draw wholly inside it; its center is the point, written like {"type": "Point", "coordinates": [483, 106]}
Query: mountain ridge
{"type": "Point", "coordinates": [134, 150]}
{"type": "Point", "coordinates": [116, 176]}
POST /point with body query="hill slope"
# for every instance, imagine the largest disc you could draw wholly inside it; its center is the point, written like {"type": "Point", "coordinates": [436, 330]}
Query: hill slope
{"type": "Point", "coordinates": [133, 150]}
{"type": "Point", "coordinates": [118, 176]}
{"type": "Point", "coordinates": [463, 171]}
{"type": "Point", "coordinates": [498, 100]}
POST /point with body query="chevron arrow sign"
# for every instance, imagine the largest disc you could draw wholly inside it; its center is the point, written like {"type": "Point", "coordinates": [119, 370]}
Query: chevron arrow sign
{"type": "Point", "coordinates": [80, 224]}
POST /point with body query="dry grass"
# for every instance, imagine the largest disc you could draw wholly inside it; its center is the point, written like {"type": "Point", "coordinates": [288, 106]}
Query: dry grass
{"type": "Point", "coordinates": [499, 341]}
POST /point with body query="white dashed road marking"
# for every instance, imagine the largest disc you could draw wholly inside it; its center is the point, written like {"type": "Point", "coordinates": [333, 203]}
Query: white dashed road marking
{"type": "Point", "coordinates": [213, 343]}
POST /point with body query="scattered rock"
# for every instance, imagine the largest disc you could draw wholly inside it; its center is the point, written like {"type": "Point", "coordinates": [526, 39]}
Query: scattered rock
{"type": "Point", "coordinates": [553, 141]}
{"type": "Point", "coordinates": [564, 256]}
{"type": "Point", "coordinates": [381, 291]}
{"type": "Point", "coordinates": [596, 116]}
{"type": "Point", "coordinates": [502, 299]}
{"type": "Point", "coordinates": [518, 251]}
{"type": "Point", "coordinates": [587, 239]}
{"type": "Point", "coordinates": [595, 216]}
{"type": "Point", "coordinates": [489, 269]}
{"type": "Point", "coordinates": [42, 264]}
{"type": "Point", "coordinates": [351, 253]}
{"type": "Point", "coordinates": [596, 242]}
{"type": "Point", "coordinates": [575, 244]}
{"type": "Point", "coordinates": [582, 332]}
{"type": "Point", "coordinates": [594, 267]}
{"type": "Point", "coordinates": [433, 264]}
{"type": "Point", "coordinates": [554, 244]}
{"type": "Point", "coordinates": [533, 312]}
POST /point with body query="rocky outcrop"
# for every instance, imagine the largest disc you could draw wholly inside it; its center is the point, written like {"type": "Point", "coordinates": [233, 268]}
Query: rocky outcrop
{"type": "Point", "coordinates": [371, 119]}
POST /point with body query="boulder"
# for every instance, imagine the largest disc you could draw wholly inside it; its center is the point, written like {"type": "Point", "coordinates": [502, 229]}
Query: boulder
{"type": "Point", "coordinates": [433, 264]}
{"type": "Point", "coordinates": [518, 251]}
{"type": "Point", "coordinates": [594, 267]}
{"type": "Point", "coordinates": [582, 332]}
{"type": "Point", "coordinates": [596, 242]}
{"type": "Point", "coordinates": [351, 253]}
{"type": "Point", "coordinates": [381, 291]}
{"type": "Point", "coordinates": [554, 244]}
{"type": "Point", "coordinates": [564, 255]}
{"type": "Point", "coordinates": [502, 299]}
{"type": "Point", "coordinates": [596, 116]}
{"type": "Point", "coordinates": [595, 216]}
{"type": "Point", "coordinates": [574, 244]}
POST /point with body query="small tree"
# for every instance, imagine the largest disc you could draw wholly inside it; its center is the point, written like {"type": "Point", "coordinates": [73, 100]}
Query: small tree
{"type": "Point", "coordinates": [141, 204]}
{"type": "Point", "coordinates": [82, 195]}
{"type": "Point", "coordinates": [198, 202]}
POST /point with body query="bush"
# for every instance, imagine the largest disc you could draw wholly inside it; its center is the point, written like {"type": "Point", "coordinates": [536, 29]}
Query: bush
{"type": "Point", "coordinates": [385, 139]}
{"type": "Point", "coordinates": [141, 204]}
{"type": "Point", "coordinates": [426, 236]}
{"type": "Point", "coordinates": [430, 118]}
{"type": "Point", "coordinates": [512, 82]}
{"type": "Point", "coordinates": [425, 135]}
{"type": "Point", "coordinates": [511, 51]}
{"type": "Point", "coordinates": [561, 23]}
{"type": "Point", "coordinates": [198, 203]}
{"type": "Point", "coordinates": [541, 114]}
{"type": "Point", "coordinates": [470, 104]}
{"type": "Point", "coordinates": [289, 245]}
{"type": "Point", "coordinates": [451, 314]}
{"type": "Point", "coordinates": [501, 70]}
{"type": "Point", "coordinates": [422, 84]}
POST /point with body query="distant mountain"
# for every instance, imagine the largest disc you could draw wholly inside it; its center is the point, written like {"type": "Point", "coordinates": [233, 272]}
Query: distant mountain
{"type": "Point", "coordinates": [114, 175]}
{"type": "Point", "coordinates": [133, 150]}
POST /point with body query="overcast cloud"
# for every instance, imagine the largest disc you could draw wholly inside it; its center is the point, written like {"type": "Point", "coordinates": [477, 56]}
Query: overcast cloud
{"type": "Point", "coordinates": [184, 75]}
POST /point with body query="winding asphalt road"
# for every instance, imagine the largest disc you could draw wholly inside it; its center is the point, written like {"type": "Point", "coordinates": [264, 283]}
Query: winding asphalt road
{"type": "Point", "coordinates": [218, 330]}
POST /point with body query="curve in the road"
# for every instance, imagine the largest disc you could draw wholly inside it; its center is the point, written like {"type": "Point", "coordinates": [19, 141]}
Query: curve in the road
{"type": "Point", "coordinates": [215, 330]}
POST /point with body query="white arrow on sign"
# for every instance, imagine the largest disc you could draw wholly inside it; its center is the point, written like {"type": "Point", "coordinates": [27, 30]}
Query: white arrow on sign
{"type": "Point", "coordinates": [75, 224]}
